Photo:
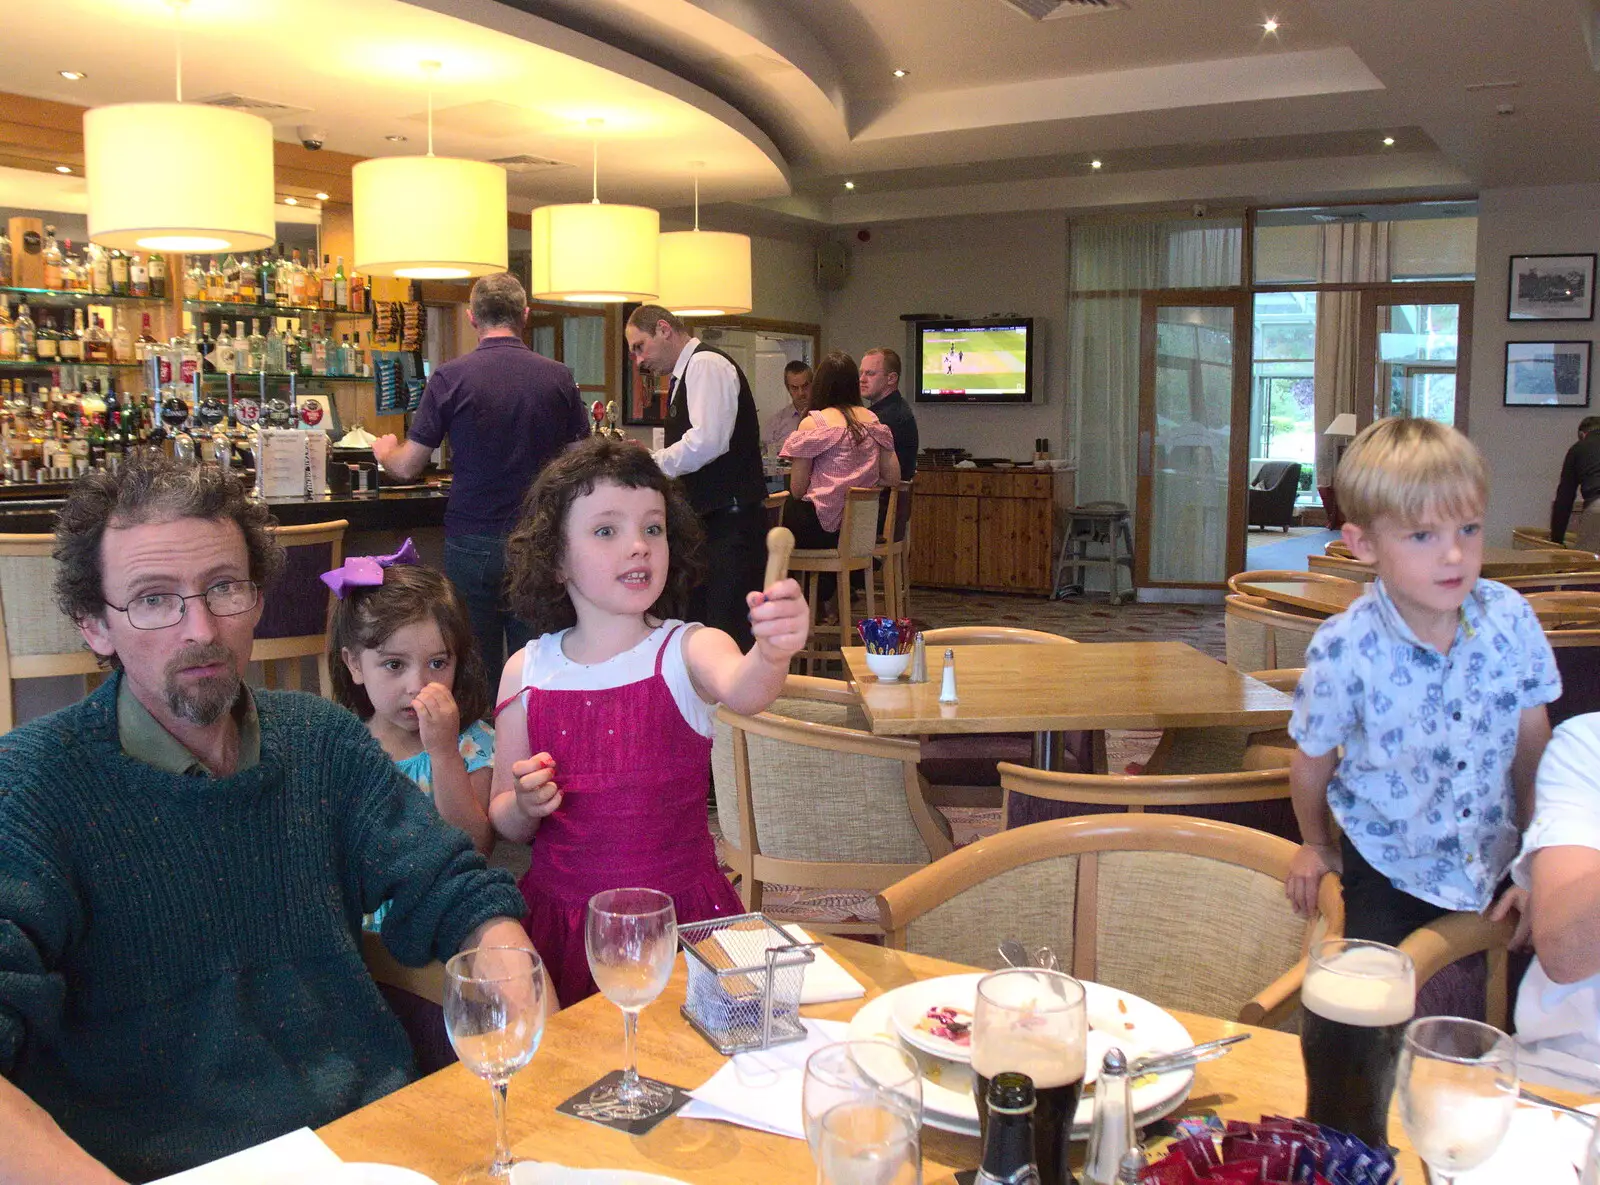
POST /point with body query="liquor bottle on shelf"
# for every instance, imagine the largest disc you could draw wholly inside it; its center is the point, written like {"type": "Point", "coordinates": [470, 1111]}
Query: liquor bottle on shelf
{"type": "Point", "coordinates": [208, 351]}
{"type": "Point", "coordinates": [223, 357]}
{"type": "Point", "coordinates": [319, 353]}
{"type": "Point", "coordinates": [138, 276]}
{"type": "Point", "coordinates": [146, 346]}
{"type": "Point", "coordinates": [213, 285]}
{"type": "Point", "coordinates": [194, 280]}
{"type": "Point", "coordinates": [230, 279]}
{"type": "Point", "coordinates": [96, 343]}
{"type": "Point", "coordinates": [8, 333]}
{"type": "Point", "coordinates": [25, 335]}
{"type": "Point", "coordinates": [122, 350]}
{"type": "Point", "coordinates": [276, 360]}
{"type": "Point", "coordinates": [120, 281]}
{"type": "Point", "coordinates": [327, 287]}
{"type": "Point", "coordinates": [99, 268]}
{"type": "Point", "coordinates": [358, 292]}
{"type": "Point", "coordinates": [74, 273]}
{"type": "Point", "coordinates": [283, 281]}
{"type": "Point", "coordinates": [5, 260]}
{"type": "Point", "coordinates": [52, 259]}
{"type": "Point", "coordinates": [46, 341]}
{"type": "Point", "coordinates": [158, 276]}
{"type": "Point", "coordinates": [341, 287]}
{"type": "Point", "coordinates": [188, 359]}
{"type": "Point", "coordinates": [70, 347]}
{"type": "Point", "coordinates": [257, 347]}
{"type": "Point", "coordinates": [292, 345]}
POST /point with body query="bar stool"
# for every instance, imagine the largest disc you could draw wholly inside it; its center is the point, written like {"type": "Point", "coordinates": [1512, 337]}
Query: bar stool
{"type": "Point", "coordinates": [1093, 526]}
{"type": "Point", "coordinates": [858, 536]}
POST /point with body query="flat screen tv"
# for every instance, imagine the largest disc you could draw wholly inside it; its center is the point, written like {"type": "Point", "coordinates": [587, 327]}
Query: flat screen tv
{"type": "Point", "coordinates": [987, 360]}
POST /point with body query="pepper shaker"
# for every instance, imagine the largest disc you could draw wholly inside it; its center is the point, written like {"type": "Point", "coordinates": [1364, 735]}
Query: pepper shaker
{"type": "Point", "coordinates": [947, 689]}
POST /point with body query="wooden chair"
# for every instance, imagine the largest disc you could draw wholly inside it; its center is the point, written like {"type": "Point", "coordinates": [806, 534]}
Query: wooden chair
{"type": "Point", "coordinates": [1582, 581]}
{"type": "Point", "coordinates": [820, 806]}
{"type": "Point", "coordinates": [1530, 537]}
{"type": "Point", "coordinates": [1338, 547]}
{"type": "Point", "coordinates": [893, 552]}
{"type": "Point", "coordinates": [425, 982]}
{"type": "Point", "coordinates": [1279, 575]}
{"type": "Point", "coordinates": [294, 622]}
{"type": "Point", "coordinates": [1340, 565]}
{"type": "Point", "coordinates": [773, 504]}
{"type": "Point", "coordinates": [858, 537]}
{"type": "Point", "coordinates": [1578, 659]}
{"type": "Point", "coordinates": [416, 997]}
{"type": "Point", "coordinates": [36, 639]}
{"type": "Point", "coordinates": [1574, 609]}
{"type": "Point", "coordinates": [1261, 637]}
{"type": "Point", "coordinates": [1249, 798]}
{"type": "Point", "coordinates": [1189, 913]}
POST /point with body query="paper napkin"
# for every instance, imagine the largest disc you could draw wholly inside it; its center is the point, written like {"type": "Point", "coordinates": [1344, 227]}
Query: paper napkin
{"type": "Point", "coordinates": [826, 982]}
{"type": "Point", "coordinates": [299, 1158]}
{"type": "Point", "coordinates": [762, 1088]}
{"type": "Point", "coordinates": [1541, 1145]}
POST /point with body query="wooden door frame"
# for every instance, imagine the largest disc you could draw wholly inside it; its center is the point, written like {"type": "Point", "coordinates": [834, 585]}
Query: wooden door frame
{"type": "Point", "coordinates": [1241, 301]}
{"type": "Point", "coordinates": [1458, 293]}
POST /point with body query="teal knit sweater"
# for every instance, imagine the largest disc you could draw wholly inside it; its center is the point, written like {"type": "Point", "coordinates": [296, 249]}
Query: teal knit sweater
{"type": "Point", "coordinates": [180, 962]}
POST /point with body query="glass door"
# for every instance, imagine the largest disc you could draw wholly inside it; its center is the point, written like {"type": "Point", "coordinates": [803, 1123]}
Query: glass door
{"type": "Point", "coordinates": [1416, 344]}
{"type": "Point", "coordinates": [1194, 405]}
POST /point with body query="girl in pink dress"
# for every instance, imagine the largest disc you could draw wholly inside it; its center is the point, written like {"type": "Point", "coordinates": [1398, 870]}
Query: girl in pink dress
{"type": "Point", "coordinates": [603, 733]}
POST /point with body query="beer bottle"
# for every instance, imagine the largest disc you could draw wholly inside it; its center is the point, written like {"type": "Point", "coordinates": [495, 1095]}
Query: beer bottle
{"type": "Point", "coordinates": [1008, 1152]}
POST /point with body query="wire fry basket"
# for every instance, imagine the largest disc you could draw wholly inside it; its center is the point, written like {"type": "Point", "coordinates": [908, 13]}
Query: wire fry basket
{"type": "Point", "coordinates": [745, 975]}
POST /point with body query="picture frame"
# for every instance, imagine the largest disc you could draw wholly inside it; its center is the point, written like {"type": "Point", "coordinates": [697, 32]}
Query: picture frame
{"type": "Point", "coordinates": [1551, 288]}
{"type": "Point", "coordinates": [1547, 374]}
{"type": "Point", "coordinates": [644, 395]}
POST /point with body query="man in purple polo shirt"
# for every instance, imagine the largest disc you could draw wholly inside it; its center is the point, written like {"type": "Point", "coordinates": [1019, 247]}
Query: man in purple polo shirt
{"type": "Point", "coordinates": [507, 412]}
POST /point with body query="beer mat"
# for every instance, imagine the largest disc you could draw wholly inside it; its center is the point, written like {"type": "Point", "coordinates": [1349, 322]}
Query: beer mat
{"type": "Point", "coordinates": [599, 1104]}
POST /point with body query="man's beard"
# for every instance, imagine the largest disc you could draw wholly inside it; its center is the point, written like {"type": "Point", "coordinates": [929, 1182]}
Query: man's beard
{"type": "Point", "coordinates": [212, 696]}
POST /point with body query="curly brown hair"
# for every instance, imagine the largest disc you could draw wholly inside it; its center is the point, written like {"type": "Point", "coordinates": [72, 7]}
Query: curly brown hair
{"type": "Point", "coordinates": [366, 616]}
{"type": "Point", "coordinates": [150, 488]}
{"type": "Point", "coordinates": [537, 547]}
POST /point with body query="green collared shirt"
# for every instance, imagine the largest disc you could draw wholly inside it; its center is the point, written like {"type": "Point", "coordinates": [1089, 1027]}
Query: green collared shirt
{"type": "Point", "coordinates": [144, 739]}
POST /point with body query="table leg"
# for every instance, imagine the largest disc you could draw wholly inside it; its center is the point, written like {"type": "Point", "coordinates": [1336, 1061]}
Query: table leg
{"type": "Point", "coordinates": [1055, 750]}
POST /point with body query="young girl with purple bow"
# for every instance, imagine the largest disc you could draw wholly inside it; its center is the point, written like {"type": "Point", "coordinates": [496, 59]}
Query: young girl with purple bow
{"type": "Point", "coordinates": [402, 657]}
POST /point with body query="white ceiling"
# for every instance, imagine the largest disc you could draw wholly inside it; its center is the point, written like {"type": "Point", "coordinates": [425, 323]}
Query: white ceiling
{"type": "Point", "coordinates": [785, 100]}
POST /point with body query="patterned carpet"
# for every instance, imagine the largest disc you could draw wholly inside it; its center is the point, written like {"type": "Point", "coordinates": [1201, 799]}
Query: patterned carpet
{"type": "Point", "coordinates": [1082, 619]}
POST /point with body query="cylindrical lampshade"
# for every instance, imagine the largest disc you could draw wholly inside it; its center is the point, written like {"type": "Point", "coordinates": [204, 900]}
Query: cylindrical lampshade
{"type": "Point", "coordinates": [178, 177]}
{"type": "Point", "coordinates": [705, 273]}
{"type": "Point", "coordinates": [595, 252]}
{"type": "Point", "coordinates": [429, 217]}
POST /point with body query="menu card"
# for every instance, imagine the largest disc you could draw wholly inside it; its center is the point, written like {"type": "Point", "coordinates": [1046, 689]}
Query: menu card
{"type": "Point", "coordinates": [292, 463]}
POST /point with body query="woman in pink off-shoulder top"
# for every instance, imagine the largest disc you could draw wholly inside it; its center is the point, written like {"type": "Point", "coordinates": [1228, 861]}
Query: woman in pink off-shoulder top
{"type": "Point", "coordinates": [840, 444]}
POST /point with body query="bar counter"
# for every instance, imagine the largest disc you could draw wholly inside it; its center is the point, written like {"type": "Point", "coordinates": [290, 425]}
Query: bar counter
{"type": "Point", "coordinates": [403, 509]}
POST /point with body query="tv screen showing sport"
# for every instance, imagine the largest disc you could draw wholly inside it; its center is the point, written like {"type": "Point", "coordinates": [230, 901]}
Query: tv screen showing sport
{"type": "Point", "coordinates": [975, 362]}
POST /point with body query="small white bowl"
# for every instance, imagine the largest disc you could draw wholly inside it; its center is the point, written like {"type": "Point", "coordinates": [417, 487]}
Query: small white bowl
{"type": "Point", "coordinates": [888, 667]}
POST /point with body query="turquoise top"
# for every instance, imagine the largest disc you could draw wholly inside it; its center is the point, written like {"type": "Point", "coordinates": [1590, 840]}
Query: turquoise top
{"type": "Point", "coordinates": [477, 750]}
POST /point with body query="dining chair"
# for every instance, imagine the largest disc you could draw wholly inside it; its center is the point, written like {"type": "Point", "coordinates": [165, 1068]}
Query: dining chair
{"type": "Point", "coordinates": [36, 639]}
{"type": "Point", "coordinates": [820, 806]}
{"type": "Point", "coordinates": [773, 504]}
{"type": "Point", "coordinates": [961, 767]}
{"type": "Point", "coordinates": [1523, 538]}
{"type": "Point", "coordinates": [1340, 565]}
{"type": "Point", "coordinates": [1578, 660]}
{"type": "Point", "coordinates": [1189, 913]}
{"type": "Point", "coordinates": [1260, 637]}
{"type": "Point", "coordinates": [1250, 798]}
{"type": "Point", "coordinates": [416, 997]}
{"type": "Point", "coordinates": [1533, 582]}
{"type": "Point", "coordinates": [893, 552]}
{"type": "Point", "coordinates": [1277, 575]}
{"type": "Point", "coordinates": [858, 536]}
{"type": "Point", "coordinates": [294, 617]}
{"type": "Point", "coordinates": [1567, 609]}
{"type": "Point", "coordinates": [1338, 547]}
{"type": "Point", "coordinates": [1225, 749]}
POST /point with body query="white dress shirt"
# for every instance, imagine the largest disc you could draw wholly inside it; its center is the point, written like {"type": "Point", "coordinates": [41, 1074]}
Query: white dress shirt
{"type": "Point", "coordinates": [712, 383]}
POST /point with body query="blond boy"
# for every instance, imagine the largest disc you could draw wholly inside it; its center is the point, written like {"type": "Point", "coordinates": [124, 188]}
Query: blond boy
{"type": "Point", "coordinates": [1434, 685]}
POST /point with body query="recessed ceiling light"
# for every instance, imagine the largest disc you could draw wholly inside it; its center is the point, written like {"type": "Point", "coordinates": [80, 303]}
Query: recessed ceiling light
{"type": "Point", "coordinates": [289, 201]}
{"type": "Point", "coordinates": [901, 73]}
{"type": "Point", "coordinates": [1388, 141]}
{"type": "Point", "coordinates": [72, 75]}
{"type": "Point", "coordinates": [395, 139]}
{"type": "Point", "coordinates": [63, 168]}
{"type": "Point", "coordinates": [1094, 164]}
{"type": "Point", "coordinates": [1270, 25]}
{"type": "Point", "coordinates": [849, 184]}
{"type": "Point", "coordinates": [322, 197]}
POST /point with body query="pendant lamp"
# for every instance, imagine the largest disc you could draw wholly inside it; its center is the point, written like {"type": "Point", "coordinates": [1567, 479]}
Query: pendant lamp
{"type": "Point", "coordinates": [429, 217]}
{"type": "Point", "coordinates": [595, 252]}
{"type": "Point", "coordinates": [705, 273]}
{"type": "Point", "coordinates": [142, 197]}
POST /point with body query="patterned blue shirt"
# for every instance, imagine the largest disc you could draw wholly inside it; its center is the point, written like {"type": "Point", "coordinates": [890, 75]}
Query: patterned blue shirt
{"type": "Point", "coordinates": [1423, 789]}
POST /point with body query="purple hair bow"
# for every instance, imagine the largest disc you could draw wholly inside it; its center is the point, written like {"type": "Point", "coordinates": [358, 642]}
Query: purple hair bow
{"type": "Point", "coordinates": [366, 571]}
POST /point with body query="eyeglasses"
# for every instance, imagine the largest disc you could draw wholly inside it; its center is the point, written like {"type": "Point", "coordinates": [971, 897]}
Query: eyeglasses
{"type": "Point", "coordinates": [157, 611]}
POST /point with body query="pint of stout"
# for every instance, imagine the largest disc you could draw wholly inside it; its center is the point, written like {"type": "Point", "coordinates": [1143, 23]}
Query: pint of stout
{"type": "Point", "coordinates": [1358, 997]}
{"type": "Point", "coordinates": [1034, 1022]}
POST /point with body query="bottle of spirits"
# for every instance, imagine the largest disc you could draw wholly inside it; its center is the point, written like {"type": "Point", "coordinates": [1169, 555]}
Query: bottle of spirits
{"type": "Point", "coordinates": [189, 355]}
{"type": "Point", "coordinates": [96, 343]}
{"type": "Point", "coordinates": [226, 352]}
{"type": "Point", "coordinates": [46, 341]}
{"type": "Point", "coordinates": [276, 357]}
{"type": "Point", "coordinates": [257, 347]}
{"type": "Point", "coordinates": [146, 347]}
{"type": "Point", "coordinates": [99, 269]}
{"type": "Point", "coordinates": [158, 276]}
{"type": "Point", "coordinates": [291, 348]}
{"type": "Point", "coordinates": [358, 292]}
{"type": "Point", "coordinates": [74, 270]}
{"type": "Point", "coordinates": [25, 335]}
{"type": "Point", "coordinates": [208, 351]}
{"type": "Point", "coordinates": [341, 287]}
{"type": "Point", "coordinates": [120, 280]}
{"type": "Point", "coordinates": [215, 289]}
{"type": "Point", "coordinates": [138, 276]}
{"type": "Point", "coordinates": [283, 281]}
{"type": "Point", "coordinates": [52, 259]}
{"type": "Point", "coordinates": [194, 281]}
{"type": "Point", "coordinates": [122, 351]}
{"type": "Point", "coordinates": [249, 281]}
{"type": "Point", "coordinates": [327, 280]}
{"type": "Point", "coordinates": [5, 260]}
{"type": "Point", "coordinates": [70, 347]}
{"type": "Point", "coordinates": [230, 279]}
{"type": "Point", "coordinates": [319, 353]}
{"type": "Point", "coordinates": [8, 333]}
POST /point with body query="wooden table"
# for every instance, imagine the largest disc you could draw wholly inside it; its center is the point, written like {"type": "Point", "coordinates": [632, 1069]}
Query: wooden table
{"type": "Point", "coordinates": [1323, 597]}
{"type": "Point", "coordinates": [1516, 561]}
{"type": "Point", "coordinates": [444, 1123]}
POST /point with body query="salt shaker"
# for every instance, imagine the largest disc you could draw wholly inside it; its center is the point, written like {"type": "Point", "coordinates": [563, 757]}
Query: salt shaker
{"type": "Point", "coordinates": [947, 689]}
{"type": "Point", "coordinates": [1111, 1130]}
{"type": "Point", "coordinates": [1132, 1166]}
{"type": "Point", "coordinates": [919, 659]}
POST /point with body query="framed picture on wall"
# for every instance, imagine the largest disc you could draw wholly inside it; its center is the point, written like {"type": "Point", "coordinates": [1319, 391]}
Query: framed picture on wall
{"type": "Point", "coordinates": [1551, 288]}
{"type": "Point", "coordinates": [644, 395]}
{"type": "Point", "coordinates": [1547, 374]}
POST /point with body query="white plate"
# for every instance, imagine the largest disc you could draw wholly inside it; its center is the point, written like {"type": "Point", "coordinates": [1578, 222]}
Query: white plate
{"type": "Point", "coordinates": [947, 1101]}
{"type": "Point", "coordinates": [913, 1002]}
{"type": "Point", "coordinates": [531, 1172]}
{"type": "Point", "coordinates": [382, 1174]}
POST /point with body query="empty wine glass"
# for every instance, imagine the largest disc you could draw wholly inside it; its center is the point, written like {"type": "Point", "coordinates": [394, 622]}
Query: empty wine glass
{"type": "Point", "coordinates": [1458, 1088]}
{"type": "Point", "coordinates": [869, 1141]}
{"type": "Point", "coordinates": [494, 1012]}
{"type": "Point", "coordinates": [631, 937]}
{"type": "Point", "coordinates": [850, 1071]}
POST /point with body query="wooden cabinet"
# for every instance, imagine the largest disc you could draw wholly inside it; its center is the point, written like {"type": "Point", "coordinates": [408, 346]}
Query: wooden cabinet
{"type": "Point", "coordinates": [987, 529]}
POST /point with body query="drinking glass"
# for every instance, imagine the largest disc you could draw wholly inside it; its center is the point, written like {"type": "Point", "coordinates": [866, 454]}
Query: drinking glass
{"type": "Point", "coordinates": [494, 1013]}
{"type": "Point", "coordinates": [868, 1142]}
{"type": "Point", "coordinates": [1033, 1022]}
{"type": "Point", "coordinates": [1591, 1160]}
{"type": "Point", "coordinates": [1458, 1088]}
{"type": "Point", "coordinates": [631, 936]}
{"type": "Point", "coordinates": [854, 1071]}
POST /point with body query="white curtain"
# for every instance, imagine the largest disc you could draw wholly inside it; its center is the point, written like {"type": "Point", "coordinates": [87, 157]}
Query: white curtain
{"type": "Point", "coordinates": [1352, 253]}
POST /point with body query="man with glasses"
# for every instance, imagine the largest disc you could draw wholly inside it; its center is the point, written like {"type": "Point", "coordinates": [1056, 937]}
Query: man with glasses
{"type": "Point", "coordinates": [185, 862]}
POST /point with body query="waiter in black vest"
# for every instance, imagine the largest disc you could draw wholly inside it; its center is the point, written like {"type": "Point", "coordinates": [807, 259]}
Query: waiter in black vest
{"type": "Point", "coordinates": [714, 448]}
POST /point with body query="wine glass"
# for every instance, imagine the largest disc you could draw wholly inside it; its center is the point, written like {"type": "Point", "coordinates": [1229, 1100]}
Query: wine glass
{"type": "Point", "coordinates": [850, 1071]}
{"type": "Point", "coordinates": [631, 937]}
{"type": "Point", "coordinates": [494, 1012]}
{"type": "Point", "coordinates": [868, 1141]}
{"type": "Point", "coordinates": [1458, 1088]}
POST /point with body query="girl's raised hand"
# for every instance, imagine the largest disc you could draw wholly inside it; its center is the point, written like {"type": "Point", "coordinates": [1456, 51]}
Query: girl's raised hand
{"type": "Point", "coordinates": [535, 781]}
{"type": "Point", "coordinates": [779, 619]}
{"type": "Point", "coordinates": [438, 718]}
